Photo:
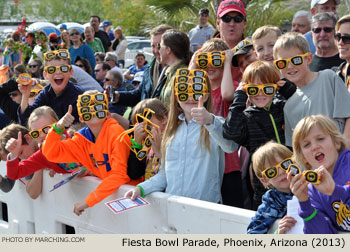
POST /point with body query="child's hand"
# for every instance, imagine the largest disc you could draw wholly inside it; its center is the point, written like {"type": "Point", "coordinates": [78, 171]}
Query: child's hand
{"type": "Point", "coordinates": [66, 120]}
{"type": "Point", "coordinates": [80, 207]}
{"type": "Point", "coordinates": [25, 89]}
{"type": "Point", "coordinates": [14, 146]}
{"type": "Point", "coordinates": [201, 114]}
{"type": "Point", "coordinates": [229, 54]}
{"type": "Point", "coordinates": [327, 184]}
{"type": "Point", "coordinates": [298, 186]}
{"type": "Point", "coordinates": [133, 193]}
{"type": "Point", "coordinates": [52, 173]}
{"type": "Point", "coordinates": [286, 224]}
{"type": "Point", "coordinates": [156, 141]}
{"type": "Point", "coordinates": [139, 132]}
{"type": "Point", "coordinates": [281, 83]}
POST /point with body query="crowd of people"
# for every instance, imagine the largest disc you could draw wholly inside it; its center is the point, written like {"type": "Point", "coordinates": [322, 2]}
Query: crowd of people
{"type": "Point", "coordinates": [215, 116]}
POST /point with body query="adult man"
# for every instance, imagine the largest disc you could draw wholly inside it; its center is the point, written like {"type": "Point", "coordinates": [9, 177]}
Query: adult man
{"type": "Point", "coordinates": [101, 70]}
{"type": "Point", "coordinates": [115, 79]}
{"type": "Point", "coordinates": [318, 6]}
{"type": "Point", "coordinates": [202, 32]}
{"type": "Point", "coordinates": [326, 55]}
{"type": "Point", "coordinates": [102, 35]}
{"type": "Point", "coordinates": [301, 22]}
{"type": "Point", "coordinates": [112, 60]}
{"type": "Point", "coordinates": [151, 76]}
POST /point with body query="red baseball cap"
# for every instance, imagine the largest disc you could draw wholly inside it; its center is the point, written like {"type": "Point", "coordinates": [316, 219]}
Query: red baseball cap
{"type": "Point", "coordinates": [231, 5]}
{"type": "Point", "coordinates": [52, 36]}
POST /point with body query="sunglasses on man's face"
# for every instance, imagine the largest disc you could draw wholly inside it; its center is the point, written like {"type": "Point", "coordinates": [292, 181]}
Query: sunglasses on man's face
{"type": "Point", "coordinates": [228, 19]}
{"type": "Point", "coordinates": [89, 115]}
{"type": "Point", "coordinates": [267, 89]}
{"type": "Point", "coordinates": [272, 172]}
{"type": "Point", "coordinates": [36, 133]}
{"type": "Point", "coordinates": [34, 92]}
{"type": "Point", "coordinates": [61, 68]}
{"type": "Point", "coordinates": [325, 29]}
{"type": "Point", "coordinates": [345, 38]}
{"type": "Point", "coordinates": [295, 61]}
{"type": "Point", "coordinates": [62, 54]}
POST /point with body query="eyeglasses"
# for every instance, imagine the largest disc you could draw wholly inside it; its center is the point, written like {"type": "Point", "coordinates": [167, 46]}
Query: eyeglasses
{"type": "Point", "coordinates": [214, 59]}
{"type": "Point", "coordinates": [36, 133]}
{"type": "Point", "coordinates": [87, 99]}
{"type": "Point", "coordinates": [14, 94]}
{"type": "Point", "coordinates": [344, 38]}
{"type": "Point", "coordinates": [254, 90]}
{"type": "Point", "coordinates": [74, 33]}
{"type": "Point", "coordinates": [146, 117]}
{"type": "Point", "coordinates": [272, 172]}
{"type": "Point", "coordinates": [294, 169]}
{"type": "Point", "coordinates": [325, 29]}
{"type": "Point", "coordinates": [98, 114]}
{"type": "Point", "coordinates": [62, 54]}
{"type": "Point", "coordinates": [33, 66]}
{"type": "Point", "coordinates": [183, 97]}
{"type": "Point", "coordinates": [61, 68]}
{"type": "Point", "coordinates": [295, 61]}
{"type": "Point", "coordinates": [243, 44]}
{"type": "Point", "coordinates": [97, 107]}
{"type": "Point", "coordinates": [97, 70]}
{"type": "Point", "coordinates": [191, 87]}
{"type": "Point", "coordinates": [193, 72]}
{"type": "Point", "coordinates": [228, 19]}
{"type": "Point", "coordinates": [34, 92]}
{"type": "Point", "coordinates": [80, 65]}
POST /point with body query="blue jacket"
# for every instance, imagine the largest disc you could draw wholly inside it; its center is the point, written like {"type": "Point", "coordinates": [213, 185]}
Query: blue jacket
{"type": "Point", "coordinates": [273, 207]}
{"type": "Point", "coordinates": [59, 103]}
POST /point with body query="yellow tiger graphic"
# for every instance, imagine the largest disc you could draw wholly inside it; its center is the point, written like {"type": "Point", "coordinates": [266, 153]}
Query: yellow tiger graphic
{"type": "Point", "coordinates": [342, 214]}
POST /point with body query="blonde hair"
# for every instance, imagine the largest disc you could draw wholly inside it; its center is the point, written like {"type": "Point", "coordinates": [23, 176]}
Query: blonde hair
{"type": "Point", "coordinates": [264, 30]}
{"type": "Point", "coordinates": [291, 40]}
{"type": "Point", "coordinates": [173, 122]}
{"type": "Point", "coordinates": [215, 44]}
{"type": "Point", "coordinates": [11, 131]}
{"type": "Point", "coordinates": [265, 157]}
{"type": "Point", "coordinates": [263, 70]}
{"type": "Point", "coordinates": [159, 108]}
{"type": "Point", "coordinates": [343, 20]}
{"type": "Point", "coordinates": [303, 128]}
{"type": "Point", "coordinates": [43, 111]}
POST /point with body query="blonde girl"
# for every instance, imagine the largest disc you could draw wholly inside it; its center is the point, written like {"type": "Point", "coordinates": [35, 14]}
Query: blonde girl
{"type": "Point", "coordinates": [319, 145]}
{"type": "Point", "coordinates": [192, 149]}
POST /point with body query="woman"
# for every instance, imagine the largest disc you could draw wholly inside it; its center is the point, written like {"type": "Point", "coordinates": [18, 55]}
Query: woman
{"type": "Point", "coordinates": [83, 64]}
{"type": "Point", "coordinates": [119, 46]}
{"type": "Point", "coordinates": [34, 68]}
{"type": "Point", "coordinates": [65, 40]}
{"type": "Point", "coordinates": [174, 50]}
{"type": "Point", "coordinates": [342, 36]}
{"type": "Point", "coordinates": [80, 49]}
{"type": "Point", "coordinates": [94, 42]}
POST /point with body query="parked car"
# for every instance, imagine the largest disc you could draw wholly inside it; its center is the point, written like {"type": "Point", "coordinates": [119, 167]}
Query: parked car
{"type": "Point", "coordinates": [134, 47]}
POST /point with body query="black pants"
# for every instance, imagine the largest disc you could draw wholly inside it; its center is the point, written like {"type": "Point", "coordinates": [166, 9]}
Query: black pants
{"type": "Point", "coordinates": [231, 189]}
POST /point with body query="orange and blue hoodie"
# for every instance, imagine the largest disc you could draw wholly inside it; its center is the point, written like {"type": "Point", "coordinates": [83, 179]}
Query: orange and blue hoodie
{"type": "Point", "coordinates": [105, 156]}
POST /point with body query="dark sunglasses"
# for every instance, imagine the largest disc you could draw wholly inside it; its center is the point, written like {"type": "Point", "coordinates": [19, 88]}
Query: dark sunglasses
{"type": "Point", "coordinates": [344, 38]}
{"type": "Point", "coordinates": [106, 79]}
{"type": "Point", "coordinates": [228, 19]}
{"type": "Point", "coordinates": [74, 33]}
{"type": "Point", "coordinates": [33, 66]}
{"type": "Point", "coordinates": [97, 70]}
{"type": "Point", "coordinates": [325, 29]}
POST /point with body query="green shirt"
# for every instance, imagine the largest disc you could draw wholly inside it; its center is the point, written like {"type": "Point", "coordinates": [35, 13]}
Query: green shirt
{"type": "Point", "coordinates": [97, 45]}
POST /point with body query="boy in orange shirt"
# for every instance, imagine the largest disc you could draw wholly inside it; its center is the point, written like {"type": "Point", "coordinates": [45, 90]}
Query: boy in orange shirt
{"type": "Point", "coordinates": [95, 147]}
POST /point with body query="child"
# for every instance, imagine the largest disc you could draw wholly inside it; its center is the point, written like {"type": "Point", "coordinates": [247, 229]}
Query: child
{"type": "Point", "coordinates": [262, 121]}
{"type": "Point", "coordinates": [222, 95]}
{"type": "Point", "coordinates": [264, 39]}
{"type": "Point", "coordinates": [319, 145]}
{"type": "Point", "coordinates": [274, 202]}
{"type": "Point", "coordinates": [160, 117]}
{"type": "Point", "coordinates": [96, 147]}
{"type": "Point", "coordinates": [192, 145]}
{"type": "Point", "coordinates": [59, 94]}
{"type": "Point", "coordinates": [243, 55]}
{"type": "Point", "coordinates": [317, 92]}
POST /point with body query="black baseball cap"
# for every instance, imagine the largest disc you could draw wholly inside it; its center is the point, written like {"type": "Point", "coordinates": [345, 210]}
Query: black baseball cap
{"type": "Point", "coordinates": [203, 11]}
{"type": "Point", "coordinates": [242, 47]}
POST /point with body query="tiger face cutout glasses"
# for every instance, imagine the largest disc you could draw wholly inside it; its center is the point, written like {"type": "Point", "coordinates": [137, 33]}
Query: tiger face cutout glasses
{"type": "Point", "coordinates": [93, 108]}
{"type": "Point", "coordinates": [90, 99]}
{"type": "Point", "coordinates": [272, 172]}
{"type": "Point", "coordinates": [213, 59]}
{"type": "Point", "coordinates": [191, 72]}
{"type": "Point", "coordinates": [267, 89]}
{"type": "Point", "coordinates": [295, 61]}
{"type": "Point", "coordinates": [87, 116]}
{"type": "Point", "coordinates": [61, 68]}
{"type": "Point", "coordinates": [61, 53]}
{"type": "Point", "coordinates": [36, 133]}
{"type": "Point", "coordinates": [34, 92]}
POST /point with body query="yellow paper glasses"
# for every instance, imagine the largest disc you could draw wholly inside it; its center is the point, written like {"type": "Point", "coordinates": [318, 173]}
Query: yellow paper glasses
{"type": "Point", "coordinates": [213, 59]}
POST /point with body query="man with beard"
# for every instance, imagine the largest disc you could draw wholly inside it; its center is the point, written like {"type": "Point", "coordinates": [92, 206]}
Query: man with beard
{"type": "Point", "coordinates": [326, 55]}
{"type": "Point", "coordinates": [102, 35]}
